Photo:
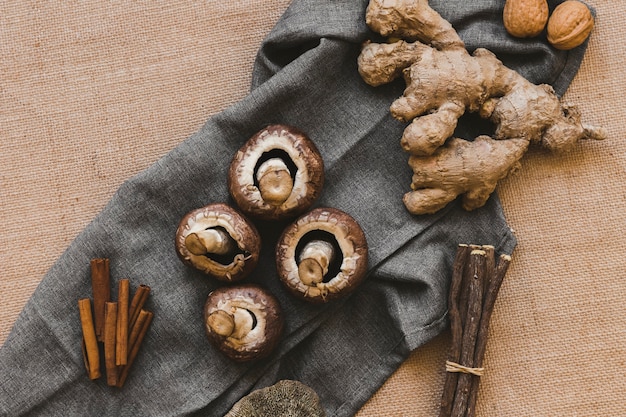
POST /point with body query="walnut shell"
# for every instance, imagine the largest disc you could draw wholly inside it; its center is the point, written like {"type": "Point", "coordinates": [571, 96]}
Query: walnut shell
{"type": "Point", "coordinates": [525, 18]}
{"type": "Point", "coordinates": [569, 25]}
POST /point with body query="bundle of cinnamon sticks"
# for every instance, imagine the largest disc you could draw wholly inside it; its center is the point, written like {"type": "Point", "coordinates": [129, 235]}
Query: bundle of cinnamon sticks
{"type": "Point", "coordinates": [119, 327]}
{"type": "Point", "coordinates": [476, 281]}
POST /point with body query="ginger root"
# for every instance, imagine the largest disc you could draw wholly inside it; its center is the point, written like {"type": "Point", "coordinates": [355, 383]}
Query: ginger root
{"type": "Point", "coordinates": [443, 81]}
{"type": "Point", "coordinates": [472, 169]}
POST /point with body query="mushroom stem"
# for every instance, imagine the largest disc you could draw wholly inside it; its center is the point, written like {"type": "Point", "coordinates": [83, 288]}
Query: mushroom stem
{"type": "Point", "coordinates": [236, 324]}
{"type": "Point", "coordinates": [221, 322]}
{"type": "Point", "coordinates": [244, 322]}
{"type": "Point", "coordinates": [206, 241]}
{"type": "Point", "coordinates": [275, 182]}
{"type": "Point", "coordinates": [314, 260]}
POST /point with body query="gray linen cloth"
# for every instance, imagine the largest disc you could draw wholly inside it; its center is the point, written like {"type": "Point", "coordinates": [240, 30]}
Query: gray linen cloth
{"type": "Point", "coordinates": [306, 76]}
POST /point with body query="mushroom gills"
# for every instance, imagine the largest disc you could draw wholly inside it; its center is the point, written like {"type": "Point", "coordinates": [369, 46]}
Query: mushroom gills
{"type": "Point", "coordinates": [319, 257]}
{"type": "Point", "coordinates": [274, 176]}
{"type": "Point", "coordinates": [214, 243]}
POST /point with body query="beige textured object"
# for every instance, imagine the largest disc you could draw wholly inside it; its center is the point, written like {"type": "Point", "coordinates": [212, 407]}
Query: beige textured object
{"type": "Point", "coordinates": [286, 398]}
{"type": "Point", "coordinates": [569, 25]}
{"type": "Point", "coordinates": [464, 174]}
{"type": "Point", "coordinates": [525, 18]}
{"type": "Point", "coordinates": [397, 18]}
{"type": "Point", "coordinates": [93, 94]}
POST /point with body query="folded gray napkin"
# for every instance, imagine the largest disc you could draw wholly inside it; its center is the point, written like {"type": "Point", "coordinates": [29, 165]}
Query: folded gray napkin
{"type": "Point", "coordinates": [305, 76]}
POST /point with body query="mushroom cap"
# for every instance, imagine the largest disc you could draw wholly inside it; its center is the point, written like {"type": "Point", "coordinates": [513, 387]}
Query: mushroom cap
{"type": "Point", "coordinates": [304, 156]}
{"type": "Point", "coordinates": [240, 229]}
{"type": "Point", "coordinates": [349, 238]}
{"type": "Point", "coordinates": [267, 323]}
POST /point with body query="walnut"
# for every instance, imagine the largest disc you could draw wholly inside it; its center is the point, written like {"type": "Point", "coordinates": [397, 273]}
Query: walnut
{"type": "Point", "coordinates": [569, 25]}
{"type": "Point", "coordinates": [525, 18]}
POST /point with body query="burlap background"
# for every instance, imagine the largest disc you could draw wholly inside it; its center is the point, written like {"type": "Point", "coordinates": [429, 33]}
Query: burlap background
{"type": "Point", "coordinates": [93, 92]}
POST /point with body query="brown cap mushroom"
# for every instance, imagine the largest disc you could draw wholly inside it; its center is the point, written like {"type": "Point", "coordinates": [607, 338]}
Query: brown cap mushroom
{"type": "Point", "coordinates": [322, 255]}
{"type": "Point", "coordinates": [244, 321]}
{"type": "Point", "coordinates": [219, 241]}
{"type": "Point", "coordinates": [278, 173]}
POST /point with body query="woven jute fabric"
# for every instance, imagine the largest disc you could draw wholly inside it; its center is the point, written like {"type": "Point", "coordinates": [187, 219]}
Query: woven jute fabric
{"type": "Point", "coordinates": [95, 93]}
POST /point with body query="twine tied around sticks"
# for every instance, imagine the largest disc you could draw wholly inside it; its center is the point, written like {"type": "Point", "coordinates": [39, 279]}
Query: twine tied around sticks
{"type": "Point", "coordinates": [455, 367]}
{"type": "Point", "coordinates": [476, 279]}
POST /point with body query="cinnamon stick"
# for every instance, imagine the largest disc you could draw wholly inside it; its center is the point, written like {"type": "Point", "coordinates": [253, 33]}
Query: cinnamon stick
{"type": "Point", "coordinates": [91, 354]}
{"type": "Point", "coordinates": [137, 335]}
{"type": "Point", "coordinates": [110, 332]}
{"type": "Point", "coordinates": [137, 303]}
{"type": "Point", "coordinates": [134, 333]}
{"type": "Point", "coordinates": [121, 339]}
{"type": "Point", "coordinates": [120, 325]}
{"type": "Point", "coordinates": [101, 289]}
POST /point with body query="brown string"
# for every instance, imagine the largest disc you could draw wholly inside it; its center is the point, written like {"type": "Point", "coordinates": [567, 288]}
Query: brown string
{"type": "Point", "coordinates": [455, 367]}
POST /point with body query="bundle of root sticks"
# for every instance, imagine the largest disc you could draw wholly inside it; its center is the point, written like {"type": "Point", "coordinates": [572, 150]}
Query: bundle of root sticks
{"type": "Point", "coordinates": [118, 326]}
{"type": "Point", "coordinates": [476, 280]}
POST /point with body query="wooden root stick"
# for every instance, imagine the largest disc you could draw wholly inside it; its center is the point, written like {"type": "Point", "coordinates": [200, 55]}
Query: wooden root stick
{"type": "Point", "coordinates": [476, 281]}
